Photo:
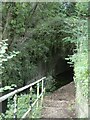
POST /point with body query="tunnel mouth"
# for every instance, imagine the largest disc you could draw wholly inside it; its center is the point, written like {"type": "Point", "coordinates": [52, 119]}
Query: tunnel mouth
{"type": "Point", "coordinates": [65, 76]}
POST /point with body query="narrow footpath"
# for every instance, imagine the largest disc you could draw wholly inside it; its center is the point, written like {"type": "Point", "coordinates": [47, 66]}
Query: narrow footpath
{"type": "Point", "coordinates": [61, 103]}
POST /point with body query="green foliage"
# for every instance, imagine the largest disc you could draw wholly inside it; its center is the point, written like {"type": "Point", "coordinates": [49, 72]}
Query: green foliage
{"type": "Point", "coordinates": [18, 71]}
{"type": "Point", "coordinates": [39, 31]}
{"type": "Point", "coordinates": [23, 104]}
{"type": "Point", "coordinates": [3, 47]}
{"type": "Point", "coordinates": [16, 14]}
{"type": "Point", "coordinates": [3, 58]}
{"type": "Point", "coordinates": [82, 9]}
{"type": "Point", "coordinates": [3, 55]}
{"type": "Point", "coordinates": [43, 30]}
{"type": "Point", "coordinates": [50, 84]}
{"type": "Point", "coordinates": [80, 59]}
{"type": "Point", "coordinates": [8, 88]}
{"type": "Point", "coordinates": [36, 112]}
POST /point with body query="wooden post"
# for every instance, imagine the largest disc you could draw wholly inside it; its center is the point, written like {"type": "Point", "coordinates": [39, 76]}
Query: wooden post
{"type": "Point", "coordinates": [37, 92]}
{"type": "Point", "coordinates": [15, 107]}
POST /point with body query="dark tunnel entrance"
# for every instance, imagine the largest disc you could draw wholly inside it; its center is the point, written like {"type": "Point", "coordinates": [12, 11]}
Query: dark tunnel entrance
{"type": "Point", "coordinates": [63, 73]}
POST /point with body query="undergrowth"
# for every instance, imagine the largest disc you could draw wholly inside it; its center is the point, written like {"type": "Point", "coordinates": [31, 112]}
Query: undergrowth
{"type": "Point", "coordinates": [23, 104]}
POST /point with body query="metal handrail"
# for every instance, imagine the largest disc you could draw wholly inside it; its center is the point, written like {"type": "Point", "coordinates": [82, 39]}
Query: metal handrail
{"type": "Point", "coordinates": [14, 93]}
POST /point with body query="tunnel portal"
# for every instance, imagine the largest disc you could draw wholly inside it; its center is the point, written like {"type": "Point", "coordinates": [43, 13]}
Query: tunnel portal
{"type": "Point", "coordinates": [63, 72]}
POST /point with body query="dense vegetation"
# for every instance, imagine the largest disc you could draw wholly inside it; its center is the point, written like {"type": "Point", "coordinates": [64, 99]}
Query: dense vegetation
{"type": "Point", "coordinates": [41, 32]}
{"type": "Point", "coordinates": [37, 35]}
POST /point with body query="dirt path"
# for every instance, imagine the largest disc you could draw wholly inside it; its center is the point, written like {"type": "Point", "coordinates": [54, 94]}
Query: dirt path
{"type": "Point", "coordinates": [61, 103]}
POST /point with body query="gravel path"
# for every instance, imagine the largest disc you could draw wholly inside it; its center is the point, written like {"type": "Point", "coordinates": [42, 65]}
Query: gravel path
{"type": "Point", "coordinates": [61, 103]}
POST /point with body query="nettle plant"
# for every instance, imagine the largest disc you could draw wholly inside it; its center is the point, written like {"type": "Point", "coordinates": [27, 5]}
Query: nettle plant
{"type": "Point", "coordinates": [3, 58]}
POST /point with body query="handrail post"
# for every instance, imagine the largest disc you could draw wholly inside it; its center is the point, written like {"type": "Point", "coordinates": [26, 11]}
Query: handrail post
{"type": "Point", "coordinates": [37, 92]}
{"type": "Point", "coordinates": [42, 91]}
{"type": "Point", "coordinates": [31, 101]}
{"type": "Point", "coordinates": [15, 107]}
{"type": "Point", "coordinates": [42, 85]}
{"type": "Point", "coordinates": [31, 97]}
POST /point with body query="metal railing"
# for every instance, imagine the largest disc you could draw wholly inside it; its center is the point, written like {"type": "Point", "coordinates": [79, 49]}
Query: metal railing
{"type": "Point", "coordinates": [15, 92]}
